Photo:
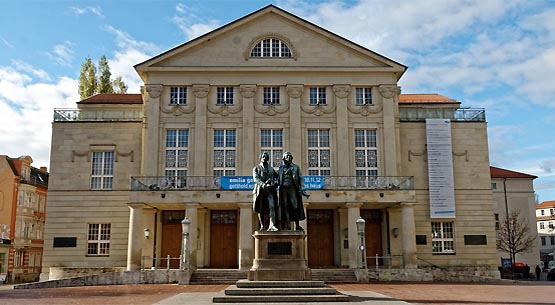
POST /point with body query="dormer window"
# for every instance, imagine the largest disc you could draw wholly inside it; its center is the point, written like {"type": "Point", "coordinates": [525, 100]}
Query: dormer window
{"type": "Point", "coordinates": [271, 47]}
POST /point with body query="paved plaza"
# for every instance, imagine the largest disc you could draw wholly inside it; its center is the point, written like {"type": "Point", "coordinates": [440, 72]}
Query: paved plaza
{"type": "Point", "coordinates": [518, 293]}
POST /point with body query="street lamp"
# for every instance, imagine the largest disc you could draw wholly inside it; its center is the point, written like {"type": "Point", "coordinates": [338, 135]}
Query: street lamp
{"type": "Point", "coordinates": [361, 224]}
{"type": "Point", "coordinates": [185, 251]}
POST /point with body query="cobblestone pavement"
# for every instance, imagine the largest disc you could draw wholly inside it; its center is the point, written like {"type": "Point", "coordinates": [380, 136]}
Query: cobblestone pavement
{"type": "Point", "coordinates": [519, 293]}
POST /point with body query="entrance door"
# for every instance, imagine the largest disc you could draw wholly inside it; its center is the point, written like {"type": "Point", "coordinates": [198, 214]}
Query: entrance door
{"type": "Point", "coordinates": [320, 238]}
{"type": "Point", "coordinates": [171, 238]}
{"type": "Point", "coordinates": [223, 239]}
{"type": "Point", "coordinates": [373, 235]}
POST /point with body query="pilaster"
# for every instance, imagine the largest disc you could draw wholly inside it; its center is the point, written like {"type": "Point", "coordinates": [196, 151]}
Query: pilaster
{"type": "Point", "coordinates": [343, 164]}
{"type": "Point", "coordinates": [295, 136]}
{"type": "Point", "coordinates": [246, 244]}
{"type": "Point", "coordinates": [408, 234]}
{"type": "Point", "coordinates": [248, 150]}
{"type": "Point", "coordinates": [389, 95]}
{"type": "Point", "coordinates": [353, 213]}
{"type": "Point", "coordinates": [151, 130]}
{"type": "Point", "coordinates": [191, 212]}
{"type": "Point", "coordinates": [134, 251]}
{"type": "Point", "coordinates": [201, 135]}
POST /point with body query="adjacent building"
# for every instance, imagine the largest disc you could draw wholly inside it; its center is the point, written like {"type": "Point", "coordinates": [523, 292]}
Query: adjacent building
{"type": "Point", "coordinates": [545, 221]}
{"type": "Point", "coordinates": [23, 191]}
{"type": "Point", "coordinates": [126, 169]}
{"type": "Point", "coordinates": [514, 192]}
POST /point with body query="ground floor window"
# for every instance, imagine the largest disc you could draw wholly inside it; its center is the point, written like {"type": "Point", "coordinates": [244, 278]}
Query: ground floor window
{"type": "Point", "coordinates": [443, 238]}
{"type": "Point", "coordinates": [98, 239]}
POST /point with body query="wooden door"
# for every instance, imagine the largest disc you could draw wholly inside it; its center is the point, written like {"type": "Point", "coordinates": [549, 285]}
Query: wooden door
{"type": "Point", "coordinates": [223, 239]}
{"type": "Point", "coordinates": [171, 238]}
{"type": "Point", "coordinates": [320, 238]}
{"type": "Point", "coordinates": [373, 235]}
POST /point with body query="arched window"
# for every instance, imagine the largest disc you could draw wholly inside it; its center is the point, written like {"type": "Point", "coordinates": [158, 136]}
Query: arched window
{"type": "Point", "coordinates": [271, 47]}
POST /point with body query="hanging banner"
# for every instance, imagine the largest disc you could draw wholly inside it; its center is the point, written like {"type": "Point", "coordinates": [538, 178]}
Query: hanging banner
{"type": "Point", "coordinates": [440, 168]}
{"type": "Point", "coordinates": [243, 183]}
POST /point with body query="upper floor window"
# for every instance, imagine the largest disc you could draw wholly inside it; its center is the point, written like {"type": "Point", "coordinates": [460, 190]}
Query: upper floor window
{"type": "Point", "coordinates": [225, 142]}
{"type": "Point", "coordinates": [177, 142]}
{"type": "Point", "coordinates": [366, 153]}
{"type": "Point", "coordinates": [443, 238]}
{"type": "Point", "coordinates": [542, 225]}
{"type": "Point", "coordinates": [271, 47]}
{"type": "Point", "coordinates": [319, 159]}
{"type": "Point", "coordinates": [542, 212]}
{"type": "Point", "coordinates": [552, 211]}
{"type": "Point", "coordinates": [542, 239]}
{"type": "Point", "coordinates": [493, 186]}
{"type": "Point", "coordinates": [271, 96]}
{"type": "Point", "coordinates": [317, 96]}
{"type": "Point", "coordinates": [178, 95]}
{"type": "Point", "coordinates": [363, 96]}
{"type": "Point", "coordinates": [102, 170]}
{"type": "Point", "coordinates": [496, 221]}
{"type": "Point", "coordinates": [271, 141]}
{"type": "Point", "coordinates": [224, 96]}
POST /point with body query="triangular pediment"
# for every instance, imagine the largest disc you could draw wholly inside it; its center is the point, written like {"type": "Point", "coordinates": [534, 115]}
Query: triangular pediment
{"type": "Point", "coordinates": [229, 47]}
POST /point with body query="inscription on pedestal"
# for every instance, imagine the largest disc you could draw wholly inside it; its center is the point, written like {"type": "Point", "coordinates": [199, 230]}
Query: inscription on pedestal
{"type": "Point", "coordinates": [280, 248]}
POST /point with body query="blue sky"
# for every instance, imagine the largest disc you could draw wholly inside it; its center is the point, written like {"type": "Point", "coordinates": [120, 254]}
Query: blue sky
{"type": "Point", "coordinates": [494, 54]}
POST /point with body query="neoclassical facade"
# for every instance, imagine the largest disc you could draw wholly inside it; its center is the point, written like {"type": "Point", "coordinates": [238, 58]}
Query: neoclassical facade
{"type": "Point", "coordinates": [126, 169]}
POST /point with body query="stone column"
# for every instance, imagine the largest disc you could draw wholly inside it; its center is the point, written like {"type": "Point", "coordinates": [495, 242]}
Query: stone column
{"type": "Point", "coordinates": [353, 213]}
{"type": "Point", "coordinates": [201, 136]}
{"type": "Point", "coordinates": [191, 212]}
{"type": "Point", "coordinates": [408, 234]}
{"type": "Point", "coordinates": [151, 130]}
{"type": "Point", "coordinates": [341, 94]}
{"type": "Point", "coordinates": [248, 150]}
{"type": "Point", "coordinates": [246, 243]}
{"type": "Point", "coordinates": [295, 136]}
{"type": "Point", "coordinates": [135, 237]}
{"type": "Point", "coordinates": [389, 95]}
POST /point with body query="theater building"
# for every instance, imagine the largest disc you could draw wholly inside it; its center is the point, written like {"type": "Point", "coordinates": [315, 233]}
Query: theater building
{"type": "Point", "coordinates": [126, 169]}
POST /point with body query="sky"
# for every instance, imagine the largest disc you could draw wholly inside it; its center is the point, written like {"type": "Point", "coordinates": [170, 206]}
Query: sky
{"type": "Point", "coordinates": [492, 54]}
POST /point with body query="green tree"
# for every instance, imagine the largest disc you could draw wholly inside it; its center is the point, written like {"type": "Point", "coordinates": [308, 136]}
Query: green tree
{"type": "Point", "coordinates": [87, 79]}
{"type": "Point", "coordinates": [119, 86]}
{"type": "Point", "coordinates": [104, 75]}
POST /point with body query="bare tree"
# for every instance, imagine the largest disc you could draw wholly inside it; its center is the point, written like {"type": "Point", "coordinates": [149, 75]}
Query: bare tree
{"type": "Point", "coordinates": [514, 236]}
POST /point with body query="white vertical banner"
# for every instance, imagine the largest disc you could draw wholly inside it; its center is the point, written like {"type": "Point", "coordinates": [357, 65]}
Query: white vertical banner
{"type": "Point", "coordinates": [440, 168]}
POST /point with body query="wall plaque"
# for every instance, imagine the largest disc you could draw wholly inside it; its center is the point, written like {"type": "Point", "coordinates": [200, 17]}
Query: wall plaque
{"type": "Point", "coordinates": [280, 248]}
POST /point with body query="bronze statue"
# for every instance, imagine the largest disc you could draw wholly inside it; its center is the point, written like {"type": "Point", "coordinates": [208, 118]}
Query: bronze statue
{"type": "Point", "coordinates": [290, 193]}
{"type": "Point", "coordinates": [265, 193]}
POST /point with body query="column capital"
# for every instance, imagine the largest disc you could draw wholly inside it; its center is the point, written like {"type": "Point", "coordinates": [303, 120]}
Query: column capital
{"type": "Point", "coordinates": [244, 205]}
{"type": "Point", "coordinates": [342, 91]}
{"type": "Point", "coordinates": [353, 205]}
{"type": "Point", "coordinates": [201, 91]}
{"type": "Point", "coordinates": [154, 91]}
{"type": "Point", "coordinates": [408, 204]}
{"type": "Point", "coordinates": [190, 205]}
{"type": "Point", "coordinates": [136, 205]}
{"type": "Point", "coordinates": [247, 91]}
{"type": "Point", "coordinates": [294, 91]}
{"type": "Point", "coordinates": [389, 91]}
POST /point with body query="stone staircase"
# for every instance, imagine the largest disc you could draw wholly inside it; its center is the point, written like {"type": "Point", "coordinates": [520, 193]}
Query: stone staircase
{"type": "Point", "coordinates": [334, 275]}
{"type": "Point", "coordinates": [280, 291]}
{"type": "Point", "coordinates": [217, 276]}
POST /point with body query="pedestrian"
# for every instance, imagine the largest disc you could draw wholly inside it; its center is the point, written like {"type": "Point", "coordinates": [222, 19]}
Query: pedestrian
{"type": "Point", "coordinates": [538, 272]}
{"type": "Point", "coordinates": [527, 272]}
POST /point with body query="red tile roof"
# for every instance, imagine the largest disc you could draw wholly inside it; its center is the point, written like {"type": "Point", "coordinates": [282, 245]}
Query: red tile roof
{"type": "Point", "coordinates": [546, 204]}
{"type": "Point", "coordinates": [497, 172]}
{"type": "Point", "coordinates": [113, 98]}
{"type": "Point", "coordinates": [430, 98]}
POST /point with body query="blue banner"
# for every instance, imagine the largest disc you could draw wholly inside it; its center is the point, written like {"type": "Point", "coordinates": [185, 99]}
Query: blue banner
{"type": "Point", "coordinates": [242, 183]}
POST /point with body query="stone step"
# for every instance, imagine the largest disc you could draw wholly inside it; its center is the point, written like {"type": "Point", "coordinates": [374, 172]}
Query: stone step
{"type": "Point", "coordinates": [281, 298]}
{"type": "Point", "coordinates": [217, 276]}
{"type": "Point", "coordinates": [279, 284]}
{"type": "Point", "coordinates": [281, 291]}
{"type": "Point", "coordinates": [334, 275]}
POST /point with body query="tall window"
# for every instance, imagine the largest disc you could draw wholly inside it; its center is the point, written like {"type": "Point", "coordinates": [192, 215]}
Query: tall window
{"type": "Point", "coordinates": [178, 95]}
{"type": "Point", "coordinates": [363, 96]}
{"type": "Point", "coordinates": [271, 47]}
{"type": "Point", "coordinates": [224, 96]}
{"type": "Point", "coordinates": [552, 240]}
{"type": "Point", "coordinates": [542, 225]}
{"type": "Point", "coordinates": [224, 152]}
{"type": "Point", "coordinates": [319, 163]}
{"type": "Point", "coordinates": [317, 96]}
{"type": "Point", "coordinates": [496, 221]}
{"type": "Point", "coordinates": [98, 239]}
{"type": "Point", "coordinates": [542, 238]}
{"type": "Point", "coordinates": [443, 238]}
{"type": "Point", "coordinates": [366, 153]}
{"type": "Point", "coordinates": [177, 143]}
{"type": "Point", "coordinates": [271, 141]}
{"type": "Point", "coordinates": [271, 96]}
{"type": "Point", "coordinates": [102, 170]}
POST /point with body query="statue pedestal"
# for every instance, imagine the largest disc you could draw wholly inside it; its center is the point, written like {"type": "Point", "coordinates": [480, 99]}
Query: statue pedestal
{"type": "Point", "coordinates": [279, 256]}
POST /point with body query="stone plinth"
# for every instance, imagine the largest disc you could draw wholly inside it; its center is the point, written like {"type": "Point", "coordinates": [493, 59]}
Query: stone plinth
{"type": "Point", "coordinates": [279, 256]}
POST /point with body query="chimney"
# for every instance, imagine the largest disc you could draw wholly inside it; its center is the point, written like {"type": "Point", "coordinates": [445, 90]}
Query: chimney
{"type": "Point", "coordinates": [44, 169]}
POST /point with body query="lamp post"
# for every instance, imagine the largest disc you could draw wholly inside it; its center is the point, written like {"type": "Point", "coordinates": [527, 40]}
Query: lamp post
{"type": "Point", "coordinates": [361, 224]}
{"type": "Point", "coordinates": [185, 251]}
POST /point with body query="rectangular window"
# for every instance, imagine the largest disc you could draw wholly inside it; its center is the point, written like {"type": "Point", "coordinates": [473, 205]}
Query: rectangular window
{"type": "Point", "coordinates": [271, 96]}
{"type": "Point", "coordinates": [317, 96]}
{"type": "Point", "coordinates": [177, 143]}
{"type": "Point", "coordinates": [224, 152]}
{"type": "Point", "coordinates": [542, 212]}
{"type": "Point", "coordinates": [542, 225]}
{"type": "Point", "coordinates": [178, 95]}
{"type": "Point", "coordinates": [98, 239]}
{"type": "Point", "coordinates": [271, 141]}
{"type": "Point", "coordinates": [496, 221]}
{"type": "Point", "coordinates": [319, 159]}
{"type": "Point", "coordinates": [552, 211]}
{"type": "Point", "coordinates": [102, 170]}
{"type": "Point", "coordinates": [363, 96]}
{"type": "Point", "coordinates": [19, 257]}
{"type": "Point", "coordinates": [366, 153]}
{"type": "Point", "coordinates": [493, 186]}
{"type": "Point", "coordinates": [542, 238]}
{"type": "Point", "coordinates": [443, 238]}
{"type": "Point", "coordinates": [552, 240]}
{"type": "Point", "coordinates": [224, 96]}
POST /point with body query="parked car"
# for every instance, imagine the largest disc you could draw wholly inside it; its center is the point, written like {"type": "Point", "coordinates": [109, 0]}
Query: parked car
{"type": "Point", "coordinates": [551, 275]}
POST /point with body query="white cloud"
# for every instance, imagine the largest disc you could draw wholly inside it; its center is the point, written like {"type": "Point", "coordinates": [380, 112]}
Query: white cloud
{"type": "Point", "coordinates": [62, 54]}
{"type": "Point", "coordinates": [7, 43]}
{"type": "Point", "coordinates": [190, 24]}
{"type": "Point", "coordinates": [77, 11]}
